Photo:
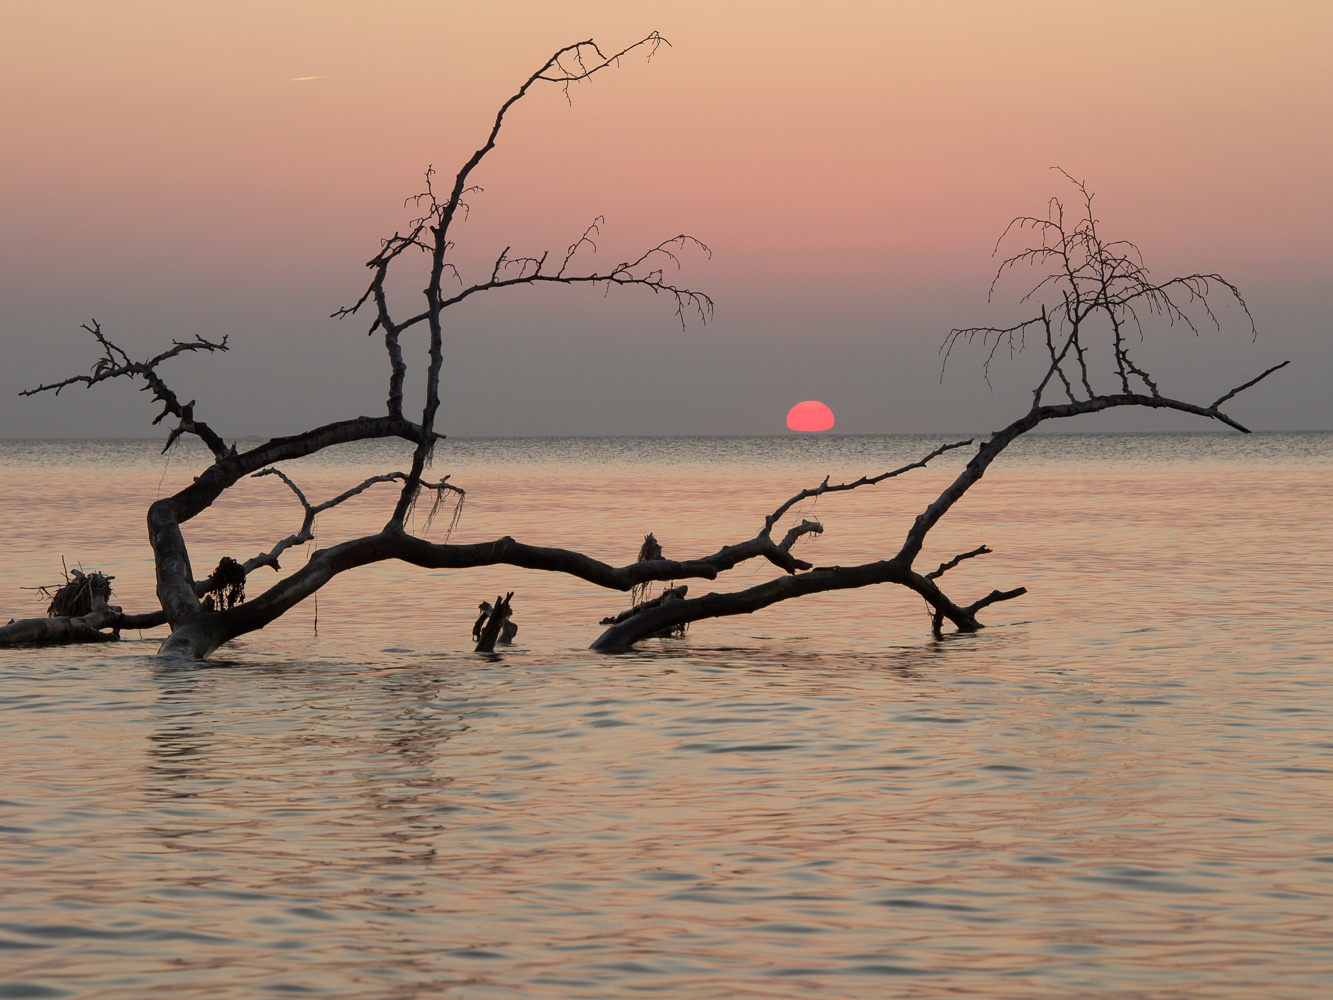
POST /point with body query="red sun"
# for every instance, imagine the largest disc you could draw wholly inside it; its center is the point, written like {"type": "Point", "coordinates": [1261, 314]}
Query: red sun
{"type": "Point", "coordinates": [811, 415]}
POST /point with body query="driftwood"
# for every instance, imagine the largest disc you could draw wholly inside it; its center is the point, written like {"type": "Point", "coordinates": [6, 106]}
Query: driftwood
{"type": "Point", "coordinates": [198, 629]}
{"type": "Point", "coordinates": [63, 629]}
{"type": "Point", "coordinates": [1091, 298]}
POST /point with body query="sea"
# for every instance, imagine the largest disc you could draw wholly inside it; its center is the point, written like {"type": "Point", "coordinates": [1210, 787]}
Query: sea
{"type": "Point", "coordinates": [1122, 787]}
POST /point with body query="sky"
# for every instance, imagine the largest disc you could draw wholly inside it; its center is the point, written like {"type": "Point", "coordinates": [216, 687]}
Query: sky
{"type": "Point", "coordinates": [213, 169]}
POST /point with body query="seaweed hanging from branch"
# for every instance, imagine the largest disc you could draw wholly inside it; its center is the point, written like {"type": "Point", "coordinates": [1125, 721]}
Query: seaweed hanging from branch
{"type": "Point", "coordinates": [227, 584]}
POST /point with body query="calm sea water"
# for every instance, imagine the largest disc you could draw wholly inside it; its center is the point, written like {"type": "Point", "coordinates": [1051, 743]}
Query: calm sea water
{"type": "Point", "coordinates": [1122, 788]}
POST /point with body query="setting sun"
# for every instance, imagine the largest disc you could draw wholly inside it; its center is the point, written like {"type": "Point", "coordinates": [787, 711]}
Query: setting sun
{"type": "Point", "coordinates": [810, 415]}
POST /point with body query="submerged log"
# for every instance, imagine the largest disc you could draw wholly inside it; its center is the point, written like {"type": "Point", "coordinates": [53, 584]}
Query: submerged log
{"type": "Point", "coordinates": [670, 594]}
{"type": "Point", "coordinates": [63, 629]}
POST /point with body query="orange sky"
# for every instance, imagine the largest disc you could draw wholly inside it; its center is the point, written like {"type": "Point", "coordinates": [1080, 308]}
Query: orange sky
{"type": "Point", "coordinates": [850, 164]}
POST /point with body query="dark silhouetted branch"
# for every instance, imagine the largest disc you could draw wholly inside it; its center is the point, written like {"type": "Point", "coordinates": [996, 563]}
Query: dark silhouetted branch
{"type": "Point", "coordinates": [115, 363]}
{"type": "Point", "coordinates": [980, 550]}
{"type": "Point", "coordinates": [824, 487]}
{"type": "Point", "coordinates": [1241, 388]}
{"type": "Point", "coordinates": [1089, 301]}
{"type": "Point", "coordinates": [994, 597]}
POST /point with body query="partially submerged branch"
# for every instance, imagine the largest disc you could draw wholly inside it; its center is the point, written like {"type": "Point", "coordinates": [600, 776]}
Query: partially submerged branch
{"type": "Point", "coordinates": [62, 630]}
{"type": "Point", "coordinates": [980, 550]}
{"type": "Point", "coordinates": [1088, 279]}
{"type": "Point", "coordinates": [666, 596]}
{"type": "Point", "coordinates": [79, 611]}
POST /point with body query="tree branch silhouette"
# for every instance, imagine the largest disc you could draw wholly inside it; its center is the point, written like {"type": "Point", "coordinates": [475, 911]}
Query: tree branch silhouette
{"type": "Point", "coordinates": [1090, 298]}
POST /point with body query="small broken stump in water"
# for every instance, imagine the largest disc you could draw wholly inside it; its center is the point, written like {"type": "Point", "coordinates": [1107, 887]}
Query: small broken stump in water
{"type": "Point", "coordinates": [493, 624]}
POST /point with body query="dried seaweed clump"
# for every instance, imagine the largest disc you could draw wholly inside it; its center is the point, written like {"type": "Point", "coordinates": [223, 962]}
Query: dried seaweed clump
{"type": "Point", "coordinates": [78, 594]}
{"type": "Point", "coordinates": [228, 588]}
{"type": "Point", "coordinates": [650, 550]}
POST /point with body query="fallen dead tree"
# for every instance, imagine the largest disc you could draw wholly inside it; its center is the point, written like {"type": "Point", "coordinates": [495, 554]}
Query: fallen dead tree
{"type": "Point", "coordinates": [1090, 295]}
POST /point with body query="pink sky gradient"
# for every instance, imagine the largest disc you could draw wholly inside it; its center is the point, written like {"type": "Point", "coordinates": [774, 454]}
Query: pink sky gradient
{"type": "Point", "coordinates": [850, 165]}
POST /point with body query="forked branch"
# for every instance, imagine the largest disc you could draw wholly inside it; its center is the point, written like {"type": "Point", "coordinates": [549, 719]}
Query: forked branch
{"type": "Point", "coordinates": [116, 363]}
{"type": "Point", "coordinates": [824, 487]}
